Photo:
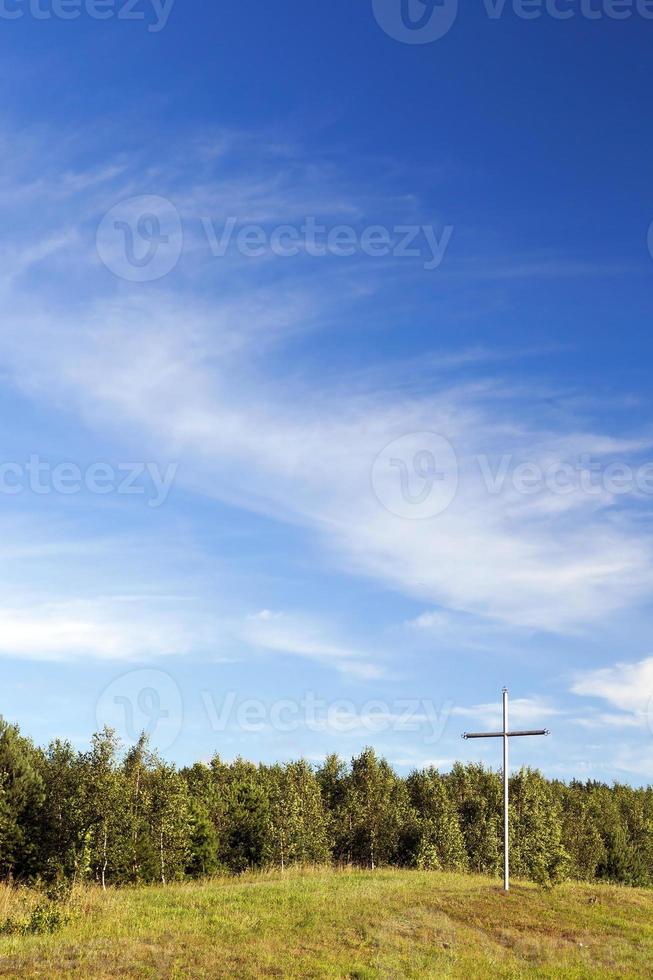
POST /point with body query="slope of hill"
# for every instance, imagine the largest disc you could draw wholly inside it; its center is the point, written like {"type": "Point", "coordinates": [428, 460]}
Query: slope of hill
{"type": "Point", "coordinates": [321, 923]}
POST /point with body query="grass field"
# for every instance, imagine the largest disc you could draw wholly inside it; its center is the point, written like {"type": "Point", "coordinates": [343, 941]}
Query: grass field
{"type": "Point", "coordinates": [339, 924]}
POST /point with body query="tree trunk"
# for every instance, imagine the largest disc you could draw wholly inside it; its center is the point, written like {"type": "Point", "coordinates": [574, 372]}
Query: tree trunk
{"type": "Point", "coordinates": [163, 867]}
{"type": "Point", "coordinates": [135, 864]}
{"type": "Point", "coordinates": [104, 860]}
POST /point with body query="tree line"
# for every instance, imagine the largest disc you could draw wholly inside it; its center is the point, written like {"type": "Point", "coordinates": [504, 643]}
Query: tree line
{"type": "Point", "coordinates": [121, 818]}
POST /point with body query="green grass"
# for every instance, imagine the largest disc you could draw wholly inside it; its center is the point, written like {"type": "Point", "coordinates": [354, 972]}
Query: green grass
{"type": "Point", "coordinates": [359, 924]}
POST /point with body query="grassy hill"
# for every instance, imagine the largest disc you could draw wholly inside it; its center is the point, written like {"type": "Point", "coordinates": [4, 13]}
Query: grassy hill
{"type": "Point", "coordinates": [329, 924]}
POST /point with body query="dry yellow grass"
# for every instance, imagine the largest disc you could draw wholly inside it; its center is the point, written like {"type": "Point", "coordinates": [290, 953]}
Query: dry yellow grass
{"type": "Point", "coordinates": [358, 924]}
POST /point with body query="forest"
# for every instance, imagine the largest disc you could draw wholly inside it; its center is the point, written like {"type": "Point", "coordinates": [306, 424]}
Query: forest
{"type": "Point", "coordinates": [126, 817]}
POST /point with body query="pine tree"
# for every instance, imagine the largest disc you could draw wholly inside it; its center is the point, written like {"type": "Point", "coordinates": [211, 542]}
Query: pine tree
{"type": "Point", "coordinates": [244, 843]}
{"type": "Point", "coordinates": [21, 798]}
{"type": "Point", "coordinates": [203, 841]}
{"type": "Point", "coordinates": [63, 838]}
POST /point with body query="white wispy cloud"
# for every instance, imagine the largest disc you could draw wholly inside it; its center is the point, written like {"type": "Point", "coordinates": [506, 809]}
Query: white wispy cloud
{"type": "Point", "coordinates": [186, 368]}
{"type": "Point", "coordinates": [300, 636]}
{"type": "Point", "coordinates": [505, 556]}
{"type": "Point", "coordinates": [605, 719]}
{"type": "Point", "coordinates": [626, 686]}
{"type": "Point", "coordinates": [523, 712]}
{"type": "Point", "coordinates": [100, 630]}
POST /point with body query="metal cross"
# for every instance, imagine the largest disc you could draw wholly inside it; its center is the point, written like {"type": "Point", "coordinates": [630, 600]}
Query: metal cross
{"type": "Point", "coordinates": [505, 735]}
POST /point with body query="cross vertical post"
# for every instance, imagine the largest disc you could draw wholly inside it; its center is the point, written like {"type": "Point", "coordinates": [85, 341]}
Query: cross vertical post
{"type": "Point", "coordinates": [506, 734]}
{"type": "Point", "coordinates": [506, 829]}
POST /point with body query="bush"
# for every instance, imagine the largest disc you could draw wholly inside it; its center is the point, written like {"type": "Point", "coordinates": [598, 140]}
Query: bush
{"type": "Point", "coordinates": [45, 918]}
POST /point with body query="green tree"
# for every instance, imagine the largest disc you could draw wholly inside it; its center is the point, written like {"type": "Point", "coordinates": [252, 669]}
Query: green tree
{"type": "Point", "coordinates": [103, 802]}
{"type": "Point", "coordinates": [440, 842]}
{"type": "Point", "coordinates": [245, 840]}
{"type": "Point", "coordinates": [477, 794]}
{"type": "Point", "coordinates": [136, 768]}
{"type": "Point", "coordinates": [203, 841]}
{"type": "Point", "coordinates": [377, 805]}
{"type": "Point", "coordinates": [22, 792]}
{"type": "Point", "coordinates": [580, 833]}
{"type": "Point", "coordinates": [170, 822]}
{"type": "Point", "coordinates": [536, 849]}
{"type": "Point", "coordinates": [332, 781]}
{"type": "Point", "coordinates": [298, 827]}
{"type": "Point", "coordinates": [63, 838]}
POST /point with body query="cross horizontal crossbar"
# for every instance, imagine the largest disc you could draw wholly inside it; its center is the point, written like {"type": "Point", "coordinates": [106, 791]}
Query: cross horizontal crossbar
{"type": "Point", "coordinates": [535, 731]}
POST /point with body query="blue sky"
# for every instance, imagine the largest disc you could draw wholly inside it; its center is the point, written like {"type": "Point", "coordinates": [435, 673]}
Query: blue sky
{"type": "Point", "coordinates": [271, 486]}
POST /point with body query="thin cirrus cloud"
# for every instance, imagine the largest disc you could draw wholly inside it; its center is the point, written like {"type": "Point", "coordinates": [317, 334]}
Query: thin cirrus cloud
{"type": "Point", "coordinates": [277, 632]}
{"type": "Point", "coordinates": [188, 371]}
{"type": "Point", "coordinates": [103, 630]}
{"type": "Point", "coordinates": [506, 556]}
{"type": "Point", "coordinates": [626, 686]}
{"type": "Point", "coordinates": [522, 711]}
